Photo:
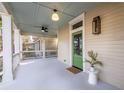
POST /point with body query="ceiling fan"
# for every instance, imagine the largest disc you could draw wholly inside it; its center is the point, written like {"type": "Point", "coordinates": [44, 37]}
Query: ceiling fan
{"type": "Point", "coordinates": [43, 28]}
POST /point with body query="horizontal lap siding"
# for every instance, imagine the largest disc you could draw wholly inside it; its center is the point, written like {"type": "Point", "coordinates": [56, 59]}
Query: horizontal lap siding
{"type": "Point", "coordinates": [110, 43]}
{"type": "Point", "coordinates": [63, 44]}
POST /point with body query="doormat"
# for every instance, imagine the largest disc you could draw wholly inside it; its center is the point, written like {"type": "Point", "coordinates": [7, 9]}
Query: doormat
{"type": "Point", "coordinates": [74, 70]}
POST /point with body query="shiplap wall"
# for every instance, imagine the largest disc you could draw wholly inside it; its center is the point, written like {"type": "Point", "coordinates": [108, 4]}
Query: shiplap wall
{"type": "Point", "coordinates": [110, 43]}
{"type": "Point", "coordinates": [63, 44]}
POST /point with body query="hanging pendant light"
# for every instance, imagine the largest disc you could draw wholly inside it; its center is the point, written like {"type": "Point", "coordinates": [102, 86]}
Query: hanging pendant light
{"type": "Point", "coordinates": [55, 16]}
{"type": "Point", "coordinates": [31, 39]}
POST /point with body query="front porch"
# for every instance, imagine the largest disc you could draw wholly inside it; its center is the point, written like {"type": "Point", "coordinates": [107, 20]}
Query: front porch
{"type": "Point", "coordinates": [36, 49]}
{"type": "Point", "coordinates": [51, 74]}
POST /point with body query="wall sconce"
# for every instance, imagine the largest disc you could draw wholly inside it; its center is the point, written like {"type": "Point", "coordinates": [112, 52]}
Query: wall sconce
{"type": "Point", "coordinates": [96, 25]}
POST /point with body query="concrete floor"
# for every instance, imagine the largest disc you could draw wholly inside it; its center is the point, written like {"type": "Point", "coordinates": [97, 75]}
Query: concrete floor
{"type": "Point", "coordinates": [50, 74]}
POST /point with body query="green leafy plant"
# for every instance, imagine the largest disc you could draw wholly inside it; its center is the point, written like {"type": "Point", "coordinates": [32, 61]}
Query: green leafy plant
{"type": "Point", "coordinates": [93, 59]}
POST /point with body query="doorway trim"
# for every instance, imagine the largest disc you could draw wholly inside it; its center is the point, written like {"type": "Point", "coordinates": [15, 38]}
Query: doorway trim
{"type": "Point", "coordinates": [82, 28]}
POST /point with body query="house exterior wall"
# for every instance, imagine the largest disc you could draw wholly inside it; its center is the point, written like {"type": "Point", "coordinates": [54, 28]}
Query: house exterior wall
{"type": "Point", "coordinates": [110, 43]}
{"type": "Point", "coordinates": [51, 43]}
{"type": "Point", "coordinates": [63, 44]}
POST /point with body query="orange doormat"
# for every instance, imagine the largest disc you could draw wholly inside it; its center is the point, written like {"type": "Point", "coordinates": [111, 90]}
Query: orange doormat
{"type": "Point", "coordinates": [74, 70]}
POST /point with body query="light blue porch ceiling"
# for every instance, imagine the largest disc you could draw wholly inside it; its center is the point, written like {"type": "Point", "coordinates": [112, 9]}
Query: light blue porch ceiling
{"type": "Point", "coordinates": [27, 15]}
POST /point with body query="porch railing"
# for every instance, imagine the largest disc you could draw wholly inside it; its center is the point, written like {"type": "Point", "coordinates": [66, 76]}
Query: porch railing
{"type": "Point", "coordinates": [50, 53]}
{"type": "Point", "coordinates": [38, 54]}
{"type": "Point", "coordinates": [32, 54]}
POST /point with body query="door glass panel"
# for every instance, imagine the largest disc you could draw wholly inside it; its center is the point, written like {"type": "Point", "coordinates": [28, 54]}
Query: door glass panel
{"type": "Point", "coordinates": [78, 44]}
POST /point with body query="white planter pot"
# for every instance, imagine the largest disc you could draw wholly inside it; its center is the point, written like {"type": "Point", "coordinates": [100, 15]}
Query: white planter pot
{"type": "Point", "coordinates": [92, 69]}
{"type": "Point", "coordinates": [92, 76]}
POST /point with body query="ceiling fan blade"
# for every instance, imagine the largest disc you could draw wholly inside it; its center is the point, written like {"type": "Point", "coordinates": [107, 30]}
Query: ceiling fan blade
{"type": "Point", "coordinates": [30, 25]}
{"type": "Point", "coordinates": [37, 26]}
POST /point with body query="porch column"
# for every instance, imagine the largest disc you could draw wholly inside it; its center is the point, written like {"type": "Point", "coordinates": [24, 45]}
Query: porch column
{"type": "Point", "coordinates": [36, 46]}
{"type": "Point", "coordinates": [17, 40]}
{"type": "Point", "coordinates": [40, 44]}
{"type": "Point", "coordinates": [43, 47]}
{"type": "Point", "coordinates": [21, 47]}
{"type": "Point", "coordinates": [37, 49]}
{"type": "Point", "coordinates": [7, 48]}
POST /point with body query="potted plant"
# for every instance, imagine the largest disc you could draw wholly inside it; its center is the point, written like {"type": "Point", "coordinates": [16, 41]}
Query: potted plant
{"type": "Point", "coordinates": [93, 62]}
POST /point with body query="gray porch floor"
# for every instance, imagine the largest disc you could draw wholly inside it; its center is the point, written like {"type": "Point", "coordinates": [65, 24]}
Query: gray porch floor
{"type": "Point", "coordinates": [50, 74]}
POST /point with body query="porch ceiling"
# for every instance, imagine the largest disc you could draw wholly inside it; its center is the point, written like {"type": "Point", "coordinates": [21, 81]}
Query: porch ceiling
{"type": "Point", "coordinates": [27, 15]}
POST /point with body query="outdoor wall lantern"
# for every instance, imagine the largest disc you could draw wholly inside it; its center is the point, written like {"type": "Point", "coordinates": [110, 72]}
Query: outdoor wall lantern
{"type": "Point", "coordinates": [96, 25]}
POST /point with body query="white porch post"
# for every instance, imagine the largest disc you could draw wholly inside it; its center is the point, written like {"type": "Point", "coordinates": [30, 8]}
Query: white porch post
{"type": "Point", "coordinates": [21, 46]}
{"type": "Point", "coordinates": [43, 47]}
{"type": "Point", "coordinates": [36, 46]}
{"type": "Point", "coordinates": [7, 48]}
{"type": "Point", "coordinates": [37, 49]}
{"type": "Point", "coordinates": [17, 40]}
{"type": "Point", "coordinates": [40, 44]}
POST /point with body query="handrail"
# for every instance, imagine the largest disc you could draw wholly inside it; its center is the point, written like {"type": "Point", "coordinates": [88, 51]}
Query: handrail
{"type": "Point", "coordinates": [32, 51]}
{"type": "Point", "coordinates": [50, 50]}
{"type": "Point", "coordinates": [40, 51]}
{"type": "Point", "coordinates": [16, 54]}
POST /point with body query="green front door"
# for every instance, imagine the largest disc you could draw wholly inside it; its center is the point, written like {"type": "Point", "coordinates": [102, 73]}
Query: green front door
{"type": "Point", "coordinates": [77, 50]}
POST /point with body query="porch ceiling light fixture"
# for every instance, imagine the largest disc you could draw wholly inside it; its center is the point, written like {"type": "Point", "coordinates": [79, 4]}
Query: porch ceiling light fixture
{"type": "Point", "coordinates": [55, 16]}
{"type": "Point", "coordinates": [31, 39]}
